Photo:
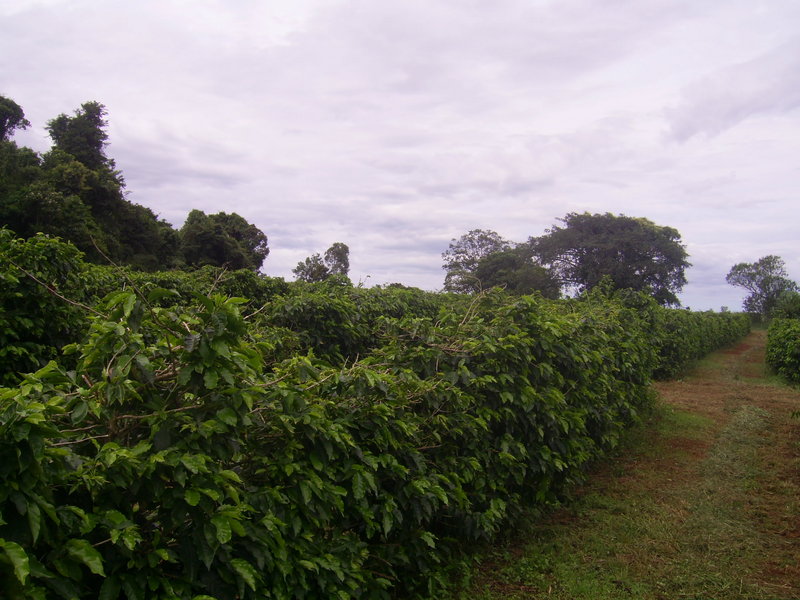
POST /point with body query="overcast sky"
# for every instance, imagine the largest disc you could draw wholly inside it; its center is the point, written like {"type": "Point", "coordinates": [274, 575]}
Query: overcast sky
{"type": "Point", "coordinates": [396, 125]}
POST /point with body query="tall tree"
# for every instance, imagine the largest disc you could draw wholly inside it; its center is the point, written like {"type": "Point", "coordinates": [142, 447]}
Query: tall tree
{"type": "Point", "coordinates": [222, 240]}
{"type": "Point", "coordinates": [316, 268]}
{"type": "Point", "coordinates": [251, 239]}
{"type": "Point", "coordinates": [78, 171]}
{"type": "Point", "coordinates": [516, 271]}
{"type": "Point", "coordinates": [312, 269]}
{"type": "Point", "coordinates": [766, 280]}
{"type": "Point", "coordinates": [12, 117]}
{"type": "Point", "coordinates": [83, 135]}
{"type": "Point", "coordinates": [634, 253]}
{"type": "Point", "coordinates": [337, 259]}
{"type": "Point", "coordinates": [463, 255]}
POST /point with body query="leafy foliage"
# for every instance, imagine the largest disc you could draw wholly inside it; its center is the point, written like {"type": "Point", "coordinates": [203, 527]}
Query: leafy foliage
{"type": "Point", "coordinates": [766, 280]}
{"type": "Point", "coordinates": [75, 192]}
{"type": "Point", "coordinates": [787, 306]}
{"type": "Point", "coordinates": [34, 322]}
{"type": "Point", "coordinates": [783, 348]}
{"type": "Point", "coordinates": [315, 268]}
{"type": "Point", "coordinates": [462, 257]}
{"type": "Point", "coordinates": [12, 117]}
{"type": "Point", "coordinates": [324, 441]}
{"type": "Point", "coordinates": [222, 240]}
{"type": "Point", "coordinates": [635, 253]}
{"type": "Point", "coordinates": [515, 271]}
{"type": "Point", "coordinates": [83, 135]}
{"type": "Point", "coordinates": [685, 337]}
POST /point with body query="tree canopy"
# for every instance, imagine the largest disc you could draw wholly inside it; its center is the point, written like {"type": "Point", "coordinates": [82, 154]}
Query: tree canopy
{"type": "Point", "coordinates": [766, 280]}
{"type": "Point", "coordinates": [634, 253]}
{"type": "Point", "coordinates": [73, 191]}
{"type": "Point", "coordinates": [315, 268]}
{"type": "Point", "coordinates": [83, 135]}
{"type": "Point", "coordinates": [337, 259]}
{"type": "Point", "coordinates": [222, 240]}
{"type": "Point", "coordinates": [515, 271]}
{"type": "Point", "coordinates": [12, 117]}
{"type": "Point", "coordinates": [463, 255]}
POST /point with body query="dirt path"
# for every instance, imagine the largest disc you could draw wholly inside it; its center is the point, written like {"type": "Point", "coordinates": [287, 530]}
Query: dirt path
{"type": "Point", "coordinates": [704, 503]}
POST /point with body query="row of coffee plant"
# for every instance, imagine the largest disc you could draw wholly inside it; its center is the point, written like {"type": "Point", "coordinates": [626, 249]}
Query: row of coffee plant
{"type": "Point", "coordinates": [783, 348]}
{"type": "Point", "coordinates": [683, 337]}
{"type": "Point", "coordinates": [311, 442]}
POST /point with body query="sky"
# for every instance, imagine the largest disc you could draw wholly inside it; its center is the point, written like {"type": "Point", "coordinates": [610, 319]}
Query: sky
{"type": "Point", "coordinates": [398, 126]}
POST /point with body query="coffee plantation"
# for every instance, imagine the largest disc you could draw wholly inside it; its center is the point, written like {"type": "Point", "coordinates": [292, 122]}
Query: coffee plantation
{"type": "Point", "coordinates": [221, 435]}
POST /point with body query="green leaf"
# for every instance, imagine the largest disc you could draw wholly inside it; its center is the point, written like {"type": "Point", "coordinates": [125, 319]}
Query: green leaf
{"type": "Point", "coordinates": [211, 493]}
{"type": "Point", "coordinates": [388, 522]}
{"type": "Point", "coordinates": [110, 589]}
{"type": "Point", "coordinates": [358, 486]}
{"type": "Point", "coordinates": [34, 520]}
{"type": "Point", "coordinates": [194, 462]}
{"type": "Point", "coordinates": [221, 348]}
{"type": "Point", "coordinates": [245, 571]}
{"type": "Point", "coordinates": [130, 301]}
{"type": "Point", "coordinates": [223, 527]}
{"type": "Point", "coordinates": [305, 491]}
{"type": "Point", "coordinates": [309, 565]}
{"type": "Point", "coordinates": [131, 537]}
{"type": "Point", "coordinates": [231, 475]}
{"type": "Point", "coordinates": [315, 461]}
{"type": "Point", "coordinates": [428, 538]}
{"type": "Point", "coordinates": [18, 558]}
{"type": "Point", "coordinates": [192, 497]}
{"type": "Point", "coordinates": [210, 378]}
{"type": "Point", "coordinates": [134, 589]}
{"type": "Point", "coordinates": [158, 293]}
{"type": "Point", "coordinates": [79, 412]}
{"type": "Point", "coordinates": [228, 416]}
{"type": "Point", "coordinates": [83, 551]}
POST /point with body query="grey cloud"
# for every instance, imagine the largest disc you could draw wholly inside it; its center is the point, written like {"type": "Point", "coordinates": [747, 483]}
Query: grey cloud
{"type": "Point", "coordinates": [769, 83]}
{"type": "Point", "coordinates": [397, 126]}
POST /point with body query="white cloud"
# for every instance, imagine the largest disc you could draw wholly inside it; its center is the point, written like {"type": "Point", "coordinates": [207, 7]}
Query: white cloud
{"type": "Point", "coordinates": [396, 126]}
{"type": "Point", "coordinates": [767, 84]}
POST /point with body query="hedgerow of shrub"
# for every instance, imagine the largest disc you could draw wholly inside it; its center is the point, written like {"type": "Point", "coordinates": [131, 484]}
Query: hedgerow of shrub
{"type": "Point", "coordinates": [783, 348]}
{"type": "Point", "coordinates": [325, 441]}
{"type": "Point", "coordinates": [175, 462]}
{"type": "Point", "coordinates": [683, 337]}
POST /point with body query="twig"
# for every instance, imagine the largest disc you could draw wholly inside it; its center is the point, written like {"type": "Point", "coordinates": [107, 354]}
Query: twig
{"type": "Point", "coordinates": [253, 314]}
{"type": "Point", "coordinates": [80, 441]}
{"type": "Point", "coordinates": [162, 412]}
{"type": "Point", "coordinates": [218, 279]}
{"type": "Point", "coordinates": [55, 292]}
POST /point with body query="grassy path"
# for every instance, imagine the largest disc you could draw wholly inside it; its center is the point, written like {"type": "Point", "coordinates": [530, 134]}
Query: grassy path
{"type": "Point", "coordinates": [703, 502]}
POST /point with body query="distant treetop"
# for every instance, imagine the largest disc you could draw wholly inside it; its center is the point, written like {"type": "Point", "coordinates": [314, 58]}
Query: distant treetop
{"type": "Point", "coordinates": [634, 253]}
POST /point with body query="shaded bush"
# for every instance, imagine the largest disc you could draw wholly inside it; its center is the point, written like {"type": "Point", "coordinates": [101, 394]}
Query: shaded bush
{"type": "Point", "coordinates": [783, 348]}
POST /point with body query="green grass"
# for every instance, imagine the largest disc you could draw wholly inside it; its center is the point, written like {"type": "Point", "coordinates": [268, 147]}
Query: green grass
{"type": "Point", "coordinates": [663, 532]}
{"type": "Point", "coordinates": [701, 503]}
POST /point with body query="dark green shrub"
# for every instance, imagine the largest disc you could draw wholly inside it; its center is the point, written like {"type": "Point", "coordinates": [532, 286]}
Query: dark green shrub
{"type": "Point", "coordinates": [41, 284]}
{"type": "Point", "coordinates": [783, 348]}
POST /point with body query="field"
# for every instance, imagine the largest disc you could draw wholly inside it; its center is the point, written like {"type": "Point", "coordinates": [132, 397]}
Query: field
{"type": "Point", "coordinates": [702, 501]}
{"type": "Point", "coordinates": [215, 434]}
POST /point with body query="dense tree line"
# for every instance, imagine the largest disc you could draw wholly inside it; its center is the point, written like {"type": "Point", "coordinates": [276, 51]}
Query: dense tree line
{"type": "Point", "coordinates": [585, 249]}
{"type": "Point", "coordinates": [75, 191]}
